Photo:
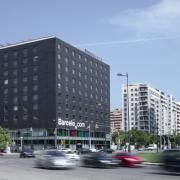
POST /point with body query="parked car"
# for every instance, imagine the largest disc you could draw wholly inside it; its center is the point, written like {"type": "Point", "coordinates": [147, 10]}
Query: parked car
{"type": "Point", "coordinates": [54, 159]}
{"type": "Point", "coordinates": [171, 160]}
{"type": "Point", "coordinates": [99, 159]}
{"type": "Point", "coordinates": [128, 159]}
{"type": "Point", "coordinates": [26, 153]}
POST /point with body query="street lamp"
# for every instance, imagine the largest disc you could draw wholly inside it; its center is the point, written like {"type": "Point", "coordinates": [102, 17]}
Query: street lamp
{"type": "Point", "coordinates": [105, 128]}
{"type": "Point", "coordinates": [128, 129]}
{"type": "Point", "coordinates": [55, 134]}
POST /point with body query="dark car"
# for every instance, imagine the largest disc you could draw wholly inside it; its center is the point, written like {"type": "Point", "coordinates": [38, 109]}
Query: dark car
{"type": "Point", "coordinates": [26, 153]}
{"type": "Point", "coordinates": [83, 151]}
{"type": "Point", "coordinates": [99, 159]}
{"type": "Point", "coordinates": [128, 159]}
{"type": "Point", "coordinates": [171, 160]}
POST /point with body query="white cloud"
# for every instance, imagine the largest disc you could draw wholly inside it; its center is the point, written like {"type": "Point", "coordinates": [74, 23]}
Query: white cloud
{"type": "Point", "coordinates": [162, 19]}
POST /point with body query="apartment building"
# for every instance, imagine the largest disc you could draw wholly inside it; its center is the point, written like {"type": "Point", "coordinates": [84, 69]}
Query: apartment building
{"type": "Point", "coordinates": [150, 110]}
{"type": "Point", "coordinates": [116, 120]}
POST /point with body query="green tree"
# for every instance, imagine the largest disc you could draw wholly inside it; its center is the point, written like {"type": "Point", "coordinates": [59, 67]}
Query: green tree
{"type": "Point", "coordinates": [4, 137]}
{"type": "Point", "coordinates": [119, 138]}
{"type": "Point", "coordinates": [139, 138]}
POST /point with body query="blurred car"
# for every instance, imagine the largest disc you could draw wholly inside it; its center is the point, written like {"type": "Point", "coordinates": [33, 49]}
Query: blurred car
{"type": "Point", "coordinates": [171, 160]}
{"type": "Point", "coordinates": [99, 159]}
{"type": "Point", "coordinates": [54, 159]}
{"type": "Point", "coordinates": [26, 153]}
{"type": "Point", "coordinates": [128, 159]}
{"type": "Point", "coordinates": [72, 155]}
{"type": "Point", "coordinates": [84, 151]}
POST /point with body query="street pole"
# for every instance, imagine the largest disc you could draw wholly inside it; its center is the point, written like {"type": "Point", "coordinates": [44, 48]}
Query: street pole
{"type": "Point", "coordinates": [128, 121]}
{"type": "Point", "coordinates": [55, 134]}
{"type": "Point", "coordinates": [89, 135]}
{"type": "Point", "coordinates": [21, 143]}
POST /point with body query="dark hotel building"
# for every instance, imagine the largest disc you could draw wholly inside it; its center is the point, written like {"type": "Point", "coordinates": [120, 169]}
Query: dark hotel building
{"type": "Point", "coordinates": [53, 94]}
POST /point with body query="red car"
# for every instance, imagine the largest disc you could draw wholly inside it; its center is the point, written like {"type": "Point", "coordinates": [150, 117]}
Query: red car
{"type": "Point", "coordinates": [128, 159]}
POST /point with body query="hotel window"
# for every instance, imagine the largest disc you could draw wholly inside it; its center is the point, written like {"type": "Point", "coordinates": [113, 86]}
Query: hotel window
{"type": "Point", "coordinates": [25, 79]}
{"type": "Point", "coordinates": [25, 89]}
{"type": "Point", "coordinates": [35, 97]}
{"type": "Point", "coordinates": [35, 58]}
{"type": "Point", "coordinates": [35, 107]}
{"type": "Point", "coordinates": [73, 81]}
{"type": "Point", "coordinates": [66, 89]}
{"type": "Point", "coordinates": [25, 70]}
{"type": "Point", "coordinates": [73, 71]}
{"type": "Point", "coordinates": [79, 74]}
{"type": "Point", "coordinates": [25, 61]}
{"type": "Point", "coordinates": [66, 59]}
{"type": "Point", "coordinates": [5, 73]}
{"type": "Point", "coordinates": [35, 49]}
{"type": "Point", "coordinates": [25, 98]}
{"type": "Point", "coordinates": [73, 53]}
{"type": "Point", "coordinates": [5, 64]}
{"type": "Point", "coordinates": [15, 63]}
{"type": "Point", "coordinates": [59, 66]}
{"type": "Point", "coordinates": [66, 69]}
{"type": "Point", "coordinates": [15, 99]}
{"type": "Point", "coordinates": [79, 56]}
{"type": "Point", "coordinates": [80, 92]}
{"type": "Point", "coordinates": [66, 79]}
{"type": "Point", "coordinates": [6, 81]}
{"type": "Point", "coordinates": [59, 76]}
{"type": "Point", "coordinates": [80, 65]}
{"type": "Point", "coordinates": [59, 46]}
{"type": "Point", "coordinates": [15, 90]}
{"type": "Point", "coordinates": [35, 78]}
{"type": "Point", "coordinates": [73, 90]}
{"type": "Point", "coordinates": [80, 84]}
{"type": "Point", "coordinates": [25, 117]}
{"type": "Point", "coordinates": [59, 85]}
{"type": "Point", "coordinates": [25, 52]}
{"type": "Point", "coordinates": [73, 62]}
{"type": "Point", "coordinates": [35, 68]}
{"type": "Point", "coordinates": [5, 91]}
{"type": "Point", "coordinates": [66, 50]}
{"type": "Point", "coordinates": [35, 87]}
{"type": "Point", "coordinates": [59, 56]}
{"type": "Point", "coordinates": [6, 55]}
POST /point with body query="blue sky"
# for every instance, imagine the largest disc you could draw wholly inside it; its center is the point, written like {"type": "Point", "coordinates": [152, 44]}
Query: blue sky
{"type": "Point", "coordinates": [136, 36]}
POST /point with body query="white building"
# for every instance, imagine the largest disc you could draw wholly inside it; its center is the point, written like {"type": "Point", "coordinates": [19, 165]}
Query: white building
{"type": "Point", "coordinates": [116, 120]}
{"type": "Point", "coordinates": [150, 110]}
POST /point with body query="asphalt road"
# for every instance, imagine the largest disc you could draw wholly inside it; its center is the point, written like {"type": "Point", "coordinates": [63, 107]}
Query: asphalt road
{"type": "Point", "coordinates": [15, 168]}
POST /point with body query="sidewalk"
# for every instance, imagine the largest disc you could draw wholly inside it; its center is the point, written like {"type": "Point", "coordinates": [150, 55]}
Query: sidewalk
{"type": "Point", "coordinates": [10, 154]}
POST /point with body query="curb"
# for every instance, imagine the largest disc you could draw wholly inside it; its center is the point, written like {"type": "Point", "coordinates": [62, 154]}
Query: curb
{"type": "Point", "coordinates": [154, 164]}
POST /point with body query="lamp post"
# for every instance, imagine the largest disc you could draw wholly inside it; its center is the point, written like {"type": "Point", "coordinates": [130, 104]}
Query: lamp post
{"type": "Point", "coordinates": [128, 121]}
{"type": "Point", "coordinates": [105, 128]}
{"type": "Point", "coordinates": [55, 134]}
{"type": "Point", "coordinates": [89, 135]}
{"type": "Point", "coordinates": [21, 138]}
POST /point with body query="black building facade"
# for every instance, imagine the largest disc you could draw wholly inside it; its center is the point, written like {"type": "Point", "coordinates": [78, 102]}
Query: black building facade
{"type": "Point", "coordinates": [52, 92]}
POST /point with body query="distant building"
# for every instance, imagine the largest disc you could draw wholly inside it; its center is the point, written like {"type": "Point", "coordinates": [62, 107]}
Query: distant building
{"type": "Point", "coordinates": [116, 120]}
{"type": "Point", "coordinates": [150, 110]}
{"type": "Point", "coordinates": [53, 92]}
